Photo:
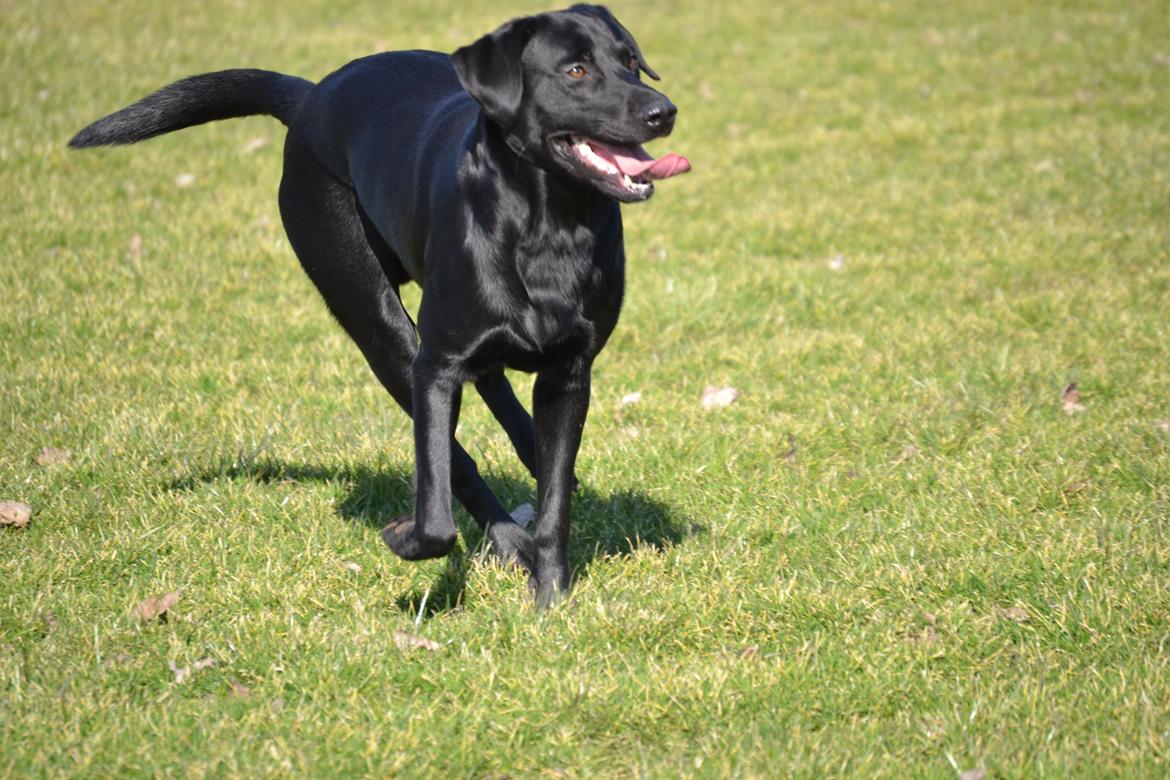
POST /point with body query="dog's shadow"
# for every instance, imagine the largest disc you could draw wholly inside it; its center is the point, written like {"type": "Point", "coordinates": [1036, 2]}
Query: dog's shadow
{"type": "Point", "coordinates": [603, 525]}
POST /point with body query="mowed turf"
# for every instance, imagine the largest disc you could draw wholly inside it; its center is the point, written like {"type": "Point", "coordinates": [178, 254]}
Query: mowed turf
{"type": "Point", "coordinates": [909, 227]}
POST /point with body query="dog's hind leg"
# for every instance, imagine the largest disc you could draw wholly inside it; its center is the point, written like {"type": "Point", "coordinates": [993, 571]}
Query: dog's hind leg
{"type": "Point", "coordinates": [497, 393]}
{"type": "Point", "coordinates": [355, 273]}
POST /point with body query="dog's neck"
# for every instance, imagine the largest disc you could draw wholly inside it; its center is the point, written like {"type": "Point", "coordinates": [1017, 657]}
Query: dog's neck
{"type": "Point", "coordinates": [529, 166]}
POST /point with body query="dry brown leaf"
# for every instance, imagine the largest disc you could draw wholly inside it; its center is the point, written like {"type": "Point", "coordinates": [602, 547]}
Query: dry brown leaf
{"type": "Point", "coordinates": [183, 673]}
{"type": "Point", "coordinates": [184, 180]}
{"type": "Point", "coordinates": [15, 513]}
{"type": "Point", "coordinates": [750, 652]}
{"type": "Point", "coordinates": [156, 607]}
{"type": "Point", "coordinates": [1072, 488]}
{"type": "Point", "coordinates": [135, 247]}
{"type": "Point", "coordinates": [1164, 426]}
{"type": "Point", "coordinates": [1070, 399]}
{"type": "Point", "coordinates": [353, 566]}
{"type": "Point", "coordinates": [1014, 614]}
{"type": "Point", "coordinates": [925, 634]}
{"type": "Point", "coordinates": [121, 659]}
{"type": "Point", "coordinates": [631, 398]}
{"type": "Point", "coordinates": [790, 455]}
{"type": "Point", "coordinates": [978, 773]}
{"type": "Point", "coordinates": [405, 641]}
{"type": "Point", "coordinates": [52, 456]}
{"type": "Point", "coordinates": [908, 453]}
{"type": "Point", "coordinates": [49, 617]}
{"type": "Point", "coordinates": [239, 690]}
{"type": "Point", "coordinates": [256, 144]}
{"type": "Point", "coordinates": [717, 397]}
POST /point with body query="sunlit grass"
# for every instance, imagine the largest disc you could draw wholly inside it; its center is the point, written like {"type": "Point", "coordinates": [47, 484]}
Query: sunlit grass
{"type": "Point", "coordinates": [908, 228]}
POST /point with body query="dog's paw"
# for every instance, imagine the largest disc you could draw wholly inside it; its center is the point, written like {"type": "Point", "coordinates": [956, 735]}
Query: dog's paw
{"type": "Point", "coordinates": [511, 544]}
{"type": "Point", "coordinates": [549, 590]}
{"type": "Point", "coordinates": [401, 535]}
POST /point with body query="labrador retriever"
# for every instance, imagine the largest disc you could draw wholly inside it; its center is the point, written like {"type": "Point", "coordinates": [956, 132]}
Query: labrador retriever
{"type": "Point", "coordinates": [491, 177]}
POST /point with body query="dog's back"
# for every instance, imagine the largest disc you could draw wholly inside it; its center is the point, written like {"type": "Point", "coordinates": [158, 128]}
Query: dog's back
{"type": "Point", "coordinates": [391, 125]}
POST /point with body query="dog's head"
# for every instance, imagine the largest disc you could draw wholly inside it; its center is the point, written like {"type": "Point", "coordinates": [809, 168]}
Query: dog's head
{"type": "Point", "coordinates": [566, 89]}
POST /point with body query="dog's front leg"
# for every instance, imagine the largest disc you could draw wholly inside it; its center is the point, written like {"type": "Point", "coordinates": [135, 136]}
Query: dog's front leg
{"type": "Point", "coordinates": [436, 391]}
{"type": "Point", "coordinates": [560, 403]}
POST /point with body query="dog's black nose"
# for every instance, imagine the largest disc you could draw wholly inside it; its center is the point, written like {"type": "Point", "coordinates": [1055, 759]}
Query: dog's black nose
{"type": "Point", "coordinates": [659, 115]}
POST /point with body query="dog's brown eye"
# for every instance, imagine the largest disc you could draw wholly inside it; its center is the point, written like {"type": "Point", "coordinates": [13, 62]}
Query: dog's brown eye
{"type": "Point", "coordinates": [633, 63]}
{"type": "Point", "coordinates": [576, 72]}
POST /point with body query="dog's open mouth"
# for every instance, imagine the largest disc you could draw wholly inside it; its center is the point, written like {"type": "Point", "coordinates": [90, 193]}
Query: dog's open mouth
{"type": "Point", "coordinates": [627, 172]}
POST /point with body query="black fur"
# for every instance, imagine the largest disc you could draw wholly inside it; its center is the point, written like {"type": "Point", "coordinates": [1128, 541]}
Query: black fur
{"type": "Point", "coordinates": [450, 171]}
{"type": "Point", "coordinates": [204, 98]}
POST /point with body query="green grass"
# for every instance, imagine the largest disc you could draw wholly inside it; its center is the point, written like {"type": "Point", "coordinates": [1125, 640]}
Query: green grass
{"type": "Point", "coordinates": [909, 226]}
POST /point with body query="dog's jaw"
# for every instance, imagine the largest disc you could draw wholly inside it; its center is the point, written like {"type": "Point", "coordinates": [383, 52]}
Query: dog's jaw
{"type": "Point", "coordinates": [624, 172]}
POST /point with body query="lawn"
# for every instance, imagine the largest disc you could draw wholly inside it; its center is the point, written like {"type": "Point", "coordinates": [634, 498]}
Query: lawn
{"type": "Point", "coordinates": [898, 552]}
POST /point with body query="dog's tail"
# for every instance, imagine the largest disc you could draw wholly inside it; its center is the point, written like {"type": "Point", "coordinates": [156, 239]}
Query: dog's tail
{"type": "Point", "coordinates": [198, 99]}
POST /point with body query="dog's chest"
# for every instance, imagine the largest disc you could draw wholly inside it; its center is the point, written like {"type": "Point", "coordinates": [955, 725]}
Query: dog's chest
{"type": "Point", "coordinates": [556, 273]}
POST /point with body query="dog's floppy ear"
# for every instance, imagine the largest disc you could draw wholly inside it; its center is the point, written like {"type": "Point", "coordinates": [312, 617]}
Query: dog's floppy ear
{"type": "Point", "coordinates": [490, 70]}
{"type": "Point", "coordinates": [602, 13]}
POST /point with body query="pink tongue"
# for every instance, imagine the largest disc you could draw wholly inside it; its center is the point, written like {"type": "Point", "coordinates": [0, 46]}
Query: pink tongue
{"type": "Point", "coordinates": [634, 161]}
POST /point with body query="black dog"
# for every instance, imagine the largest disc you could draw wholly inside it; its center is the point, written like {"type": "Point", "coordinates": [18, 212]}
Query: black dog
{"type": "Point", "coordinates": [491, 178]}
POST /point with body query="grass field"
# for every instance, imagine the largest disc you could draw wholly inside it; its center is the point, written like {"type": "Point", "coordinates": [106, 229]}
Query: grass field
{"type": "Point", "coordinates": [909, 227]}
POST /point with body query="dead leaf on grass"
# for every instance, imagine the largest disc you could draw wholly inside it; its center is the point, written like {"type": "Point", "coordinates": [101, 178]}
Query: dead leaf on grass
{"type": "Point", "coordinates": [156, 607]}
{"type": "Point", "coordinates": [239, 690]}
{"type": "Point", "coordinates": [1014, 614]}
{"type": "Point", "coordinates": [406, 641]}
{"type": "Point", "coordinates": [121, 659]}
{"type": "Point", "coordinates": [1074, 487]}
{"type": "Point", "coordinates": [53, 456]}
{"type": "Point", "coordinates": [631, 398]}
{"type": "Point", "coordinates": [978, 773]}
{"type": "Point", "coordinates": [927, 634]}
{"type": "Point", "coordinates": [1164, 426]}
{"type": "Point", "coordinates": [15, 513]}
{"type": "Point", "coordinates": [718, 397]}
{"type": "Point", "coordinates": [49, 618]}
{"type": "Point", "coordinates": [135, 248]}
{"type": "Point", "coordinates": [908, 452]}
{"type": "Point", "coordinates": [1070, 399]}
{"type": "Point", "coordinates": [353, 566]}
{"type": "Point", "coordinates": [790, 455]}
{"type": "Point", "coordinates": [181, 672]}
{"type": "Point", "coordinates": [184, 180]}
{"type": "Point", "coordinates": [750, 652]}
{"type": "Point", "coordinates": [184, 673]}
{"type": "Point", "coordinates": [256, 144]}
